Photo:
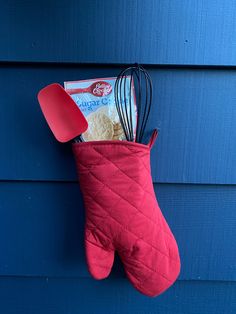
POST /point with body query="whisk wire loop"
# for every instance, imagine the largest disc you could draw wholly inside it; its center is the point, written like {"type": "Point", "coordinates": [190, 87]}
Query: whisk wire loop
{"type": "Point", "coordinates": [141, 80]}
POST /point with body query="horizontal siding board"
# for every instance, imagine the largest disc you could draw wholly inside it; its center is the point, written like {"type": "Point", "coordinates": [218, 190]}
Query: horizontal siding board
{"type": "Point", "coordinates": [193, 108]}
{"type": "Point", "coordinates": [149, 32]}
{"type": "Point", "coordinates": [42, 228]}
{"type": "Point", "coordinates": [113, 296]}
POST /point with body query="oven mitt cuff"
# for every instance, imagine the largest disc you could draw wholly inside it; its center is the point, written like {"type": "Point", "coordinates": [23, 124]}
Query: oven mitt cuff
{"type": "Point", "coordinates": [122, 215]}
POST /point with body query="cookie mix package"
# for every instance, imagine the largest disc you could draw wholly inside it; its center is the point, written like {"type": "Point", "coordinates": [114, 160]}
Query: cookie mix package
{"type": "Point", "coordinates": [96, 100]}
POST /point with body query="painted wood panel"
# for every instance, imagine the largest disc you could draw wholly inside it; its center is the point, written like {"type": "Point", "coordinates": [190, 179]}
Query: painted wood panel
{"type": "Point", "coordinates": [150, 32]}
{"type": "Point", "coordinates": [113, 296]}
{"type": "Point", "coordinates": [42, 227]}
{"type": "Point", "coordinates": [195, 111]}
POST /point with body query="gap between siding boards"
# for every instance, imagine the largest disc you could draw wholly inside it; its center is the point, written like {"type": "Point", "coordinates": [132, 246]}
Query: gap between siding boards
{"type": "Point", "coordinates": [111, 278]}
{"type": "Point", "coordinates": [29, 64]}
{"type": "Point", "coordinates": [76, 182]}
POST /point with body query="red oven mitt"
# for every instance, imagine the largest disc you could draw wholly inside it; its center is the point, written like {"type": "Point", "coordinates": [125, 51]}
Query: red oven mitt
{"type": "Point", "coordinates": [122, 215]}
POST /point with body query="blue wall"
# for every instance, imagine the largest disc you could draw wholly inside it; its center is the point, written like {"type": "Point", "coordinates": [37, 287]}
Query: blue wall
{"type": "Point", "coordinates": [189, 48]}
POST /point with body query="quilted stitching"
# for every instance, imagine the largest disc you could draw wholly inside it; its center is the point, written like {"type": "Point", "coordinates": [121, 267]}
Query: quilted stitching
{"type": "Point", "coordinates": [123, 215]}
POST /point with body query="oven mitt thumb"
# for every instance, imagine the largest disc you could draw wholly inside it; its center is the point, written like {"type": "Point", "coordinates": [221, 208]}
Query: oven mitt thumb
{"type": "Point", "coordinates": [122, 215]}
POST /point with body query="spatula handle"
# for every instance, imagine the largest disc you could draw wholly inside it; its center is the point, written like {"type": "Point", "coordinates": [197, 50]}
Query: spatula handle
{"type": "Point", "coordinates": [78, 139]}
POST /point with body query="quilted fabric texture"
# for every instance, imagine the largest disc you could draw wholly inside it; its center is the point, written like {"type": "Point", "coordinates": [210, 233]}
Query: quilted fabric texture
{"type": "Point", "coordinates": [122, 215]}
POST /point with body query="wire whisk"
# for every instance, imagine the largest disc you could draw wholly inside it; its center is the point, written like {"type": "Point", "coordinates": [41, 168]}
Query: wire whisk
{"type": "Point", "coordinates": [137, 78]}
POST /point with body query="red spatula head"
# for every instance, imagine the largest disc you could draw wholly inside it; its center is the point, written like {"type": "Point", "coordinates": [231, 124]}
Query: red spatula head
{"type": "Point", "coordinates": [61, 113]}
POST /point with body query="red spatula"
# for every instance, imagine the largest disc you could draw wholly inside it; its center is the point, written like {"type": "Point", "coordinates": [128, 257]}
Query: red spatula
{"type": "Point", "coordinates": [63, 116]}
